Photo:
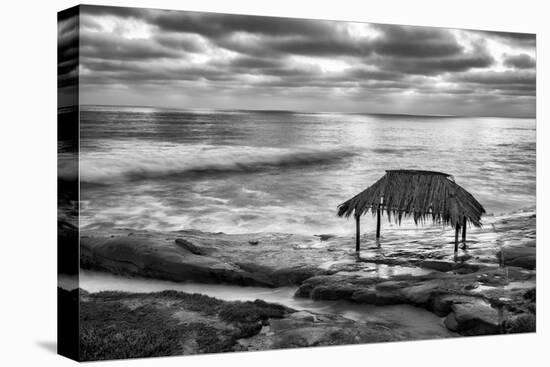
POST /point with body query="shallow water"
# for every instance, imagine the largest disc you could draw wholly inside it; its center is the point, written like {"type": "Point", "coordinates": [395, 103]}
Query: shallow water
{"type": "Point", "coordinates": [246, 171]}
{"type": "Point", "coordinates": [371, 270]}
{"type": "Point", "coordinates": [415, 322]}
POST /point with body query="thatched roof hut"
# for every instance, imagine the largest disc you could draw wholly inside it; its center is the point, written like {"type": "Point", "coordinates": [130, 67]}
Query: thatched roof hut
{"type": "Point", "coordinates": [418, 194]}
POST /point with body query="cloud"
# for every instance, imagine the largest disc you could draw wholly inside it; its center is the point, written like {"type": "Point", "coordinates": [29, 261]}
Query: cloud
{"type": "Point", "coordinates": [219, 25]}
{"type": "Point", "coordinates": [520, 83]}
{"type": "Point", "coordinates": [524, 40]}
{"type": "Point", "coordinates": [67, 49]}
{"type": "Point", "coordinates": [416, 42]}
{"type": "Point", "coordinates": [498, 77]}
{"type": "Point", "coordinates": [217, 56]}
{"type": "Point", "coordinates": [115, 47]}
{"type": "Point", "coordinates": [436, 66]}
{"type": "Point", "coordinates": [521, 61]}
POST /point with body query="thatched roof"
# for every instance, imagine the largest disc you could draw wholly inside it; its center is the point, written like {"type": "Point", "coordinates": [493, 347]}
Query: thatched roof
{"type": "Point", "coordinates": [418, 194]}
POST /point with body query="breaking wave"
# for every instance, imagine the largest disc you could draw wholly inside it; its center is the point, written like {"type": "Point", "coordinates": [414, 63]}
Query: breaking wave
{"type": "Point", "coordinates": [204, 161]}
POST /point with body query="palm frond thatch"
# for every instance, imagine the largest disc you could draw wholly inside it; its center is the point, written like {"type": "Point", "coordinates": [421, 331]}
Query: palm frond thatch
{"type": "Point", "coordinates": [418, 194]}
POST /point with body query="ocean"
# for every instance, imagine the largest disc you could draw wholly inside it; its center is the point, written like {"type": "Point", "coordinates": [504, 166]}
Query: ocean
{"type": "Point", "coordinates": [283, 171]}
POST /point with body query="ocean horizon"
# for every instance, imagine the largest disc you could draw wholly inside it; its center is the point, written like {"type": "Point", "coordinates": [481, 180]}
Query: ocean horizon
{"type": "Point", "coordinates": [209, 109]}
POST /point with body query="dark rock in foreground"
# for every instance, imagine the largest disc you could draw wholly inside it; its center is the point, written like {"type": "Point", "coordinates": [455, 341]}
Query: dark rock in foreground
{"type": "Point", "coordinates": [474, 304]}
{"type": "Point", "coordinates": [131, 325]}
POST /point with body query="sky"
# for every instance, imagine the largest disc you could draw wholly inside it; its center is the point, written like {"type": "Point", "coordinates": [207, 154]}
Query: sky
{"type": "Point", "coordinates": [145, 57]}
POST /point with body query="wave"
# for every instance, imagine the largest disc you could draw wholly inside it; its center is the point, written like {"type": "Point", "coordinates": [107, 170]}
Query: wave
{"type": "Point", "coordinates": [197, 162]}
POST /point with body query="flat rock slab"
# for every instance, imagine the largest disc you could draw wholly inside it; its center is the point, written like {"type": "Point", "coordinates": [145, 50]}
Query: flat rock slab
{"type": "Point", "coordinates": [321, 330]}
{"type": "Point", "coordinates": [473, 317]}
{"type": "Point", "coordinates": [160, 259]}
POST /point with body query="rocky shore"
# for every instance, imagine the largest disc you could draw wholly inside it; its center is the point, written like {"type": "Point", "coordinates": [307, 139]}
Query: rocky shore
{"type": "Point", "coordinates": [489, 287]}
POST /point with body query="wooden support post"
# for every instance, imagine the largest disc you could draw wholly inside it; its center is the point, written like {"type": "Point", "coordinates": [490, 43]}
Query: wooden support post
{"type": "Point", "coordinates": [378, 223]}
{"type": "Point", "coordinates": [464, 230]}
{"type": "Point", "coordinates": [357, 234]}
{"type": "Point", "coordinates": [457, 229]}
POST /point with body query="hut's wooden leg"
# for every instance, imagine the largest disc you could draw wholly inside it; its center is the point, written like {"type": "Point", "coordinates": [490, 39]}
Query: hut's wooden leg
{"type": "Point", "coordinates": [378, 223]}
{"type": "Point", "coordinates": [357, 234]}
{"type": "Point", "coordinates": [464, 230]}
{"type": "Point", "coordinates": [457, 229]}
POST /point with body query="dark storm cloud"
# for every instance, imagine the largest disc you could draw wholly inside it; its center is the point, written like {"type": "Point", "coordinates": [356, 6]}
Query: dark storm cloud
{"type": "Point", "coordinates": [416, 42]}
{"type": "Point", "coordinates": [506, 82]}
{"type": "Point", "coordinates": [251, 63]}
{"type": "Point", "coordinates": [360, 73]}
{"type": "Point", "coordinates": [293, 58]}
{"type": "Point", "coordinates": [219, 25]}
{"type": "Point", "coordinates": [118, 48]}
{"type": "Point", "coordinates": [127, 72]}
{"type": "Point", "coordinates": [321, 47]}
{"type": "Point", "coordinates": [496, 77]}
{"type": "Point", "coordinates": [521, 61]}
{"type": "Point", "coordinates": [436, 65]}
{"type": "Point", "coordinates": [279, 35]}
{"type": "Point", "coordinates": [214, 24]}
{"type": "Point", "coordinates": [293, 36]}
{"type": "Point", "coordinates": [176, 41]}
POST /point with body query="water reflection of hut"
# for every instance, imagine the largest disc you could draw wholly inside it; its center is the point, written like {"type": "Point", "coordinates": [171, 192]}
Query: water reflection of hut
{"type": "Point", "coordinates": [418, 194]}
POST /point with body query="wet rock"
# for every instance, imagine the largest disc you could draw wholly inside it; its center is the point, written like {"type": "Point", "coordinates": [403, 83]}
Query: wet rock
{"type": "Point", "coordinates": [304, 316]}
{"type": "Point", "coordinates": [442, 305]}
{"type": "Point", "coordinates": [531, 295]}
{"type": "Point", "coordinates": [374, 297]}
{"type": "Point", "coordinates": [451, 323]}
{"type": "Point", "coordinates": [304, 290]}
{"type": "Point", "coordinates": [293, 332]}
{"type": "Point", "coordinates": [438, 265]}
{"type": "Point", "coordinates": [476, 317]}
{"type": "Point", "coordinates": [522, 323]}
{"type": "Point", "coordinates": [293, 275]}
{"type": "Point", "coordinates": [459, 297]}
{"type": "Point", "coordinates": [463, 258]}
{"type": "Point", "coordinates": [189, 246]}
{"type": "Point", "coordinates": [332, 293]}
{"type": "Point", "coordinates": [324, 237]}
{"type": "Point", "coordinates": [421, 293]}
{"type": "Point", "coordinates": [524, 257]}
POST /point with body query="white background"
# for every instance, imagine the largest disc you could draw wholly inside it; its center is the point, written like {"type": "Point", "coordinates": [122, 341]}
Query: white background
{"type": "Point", "coordinates": [28, 182]}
